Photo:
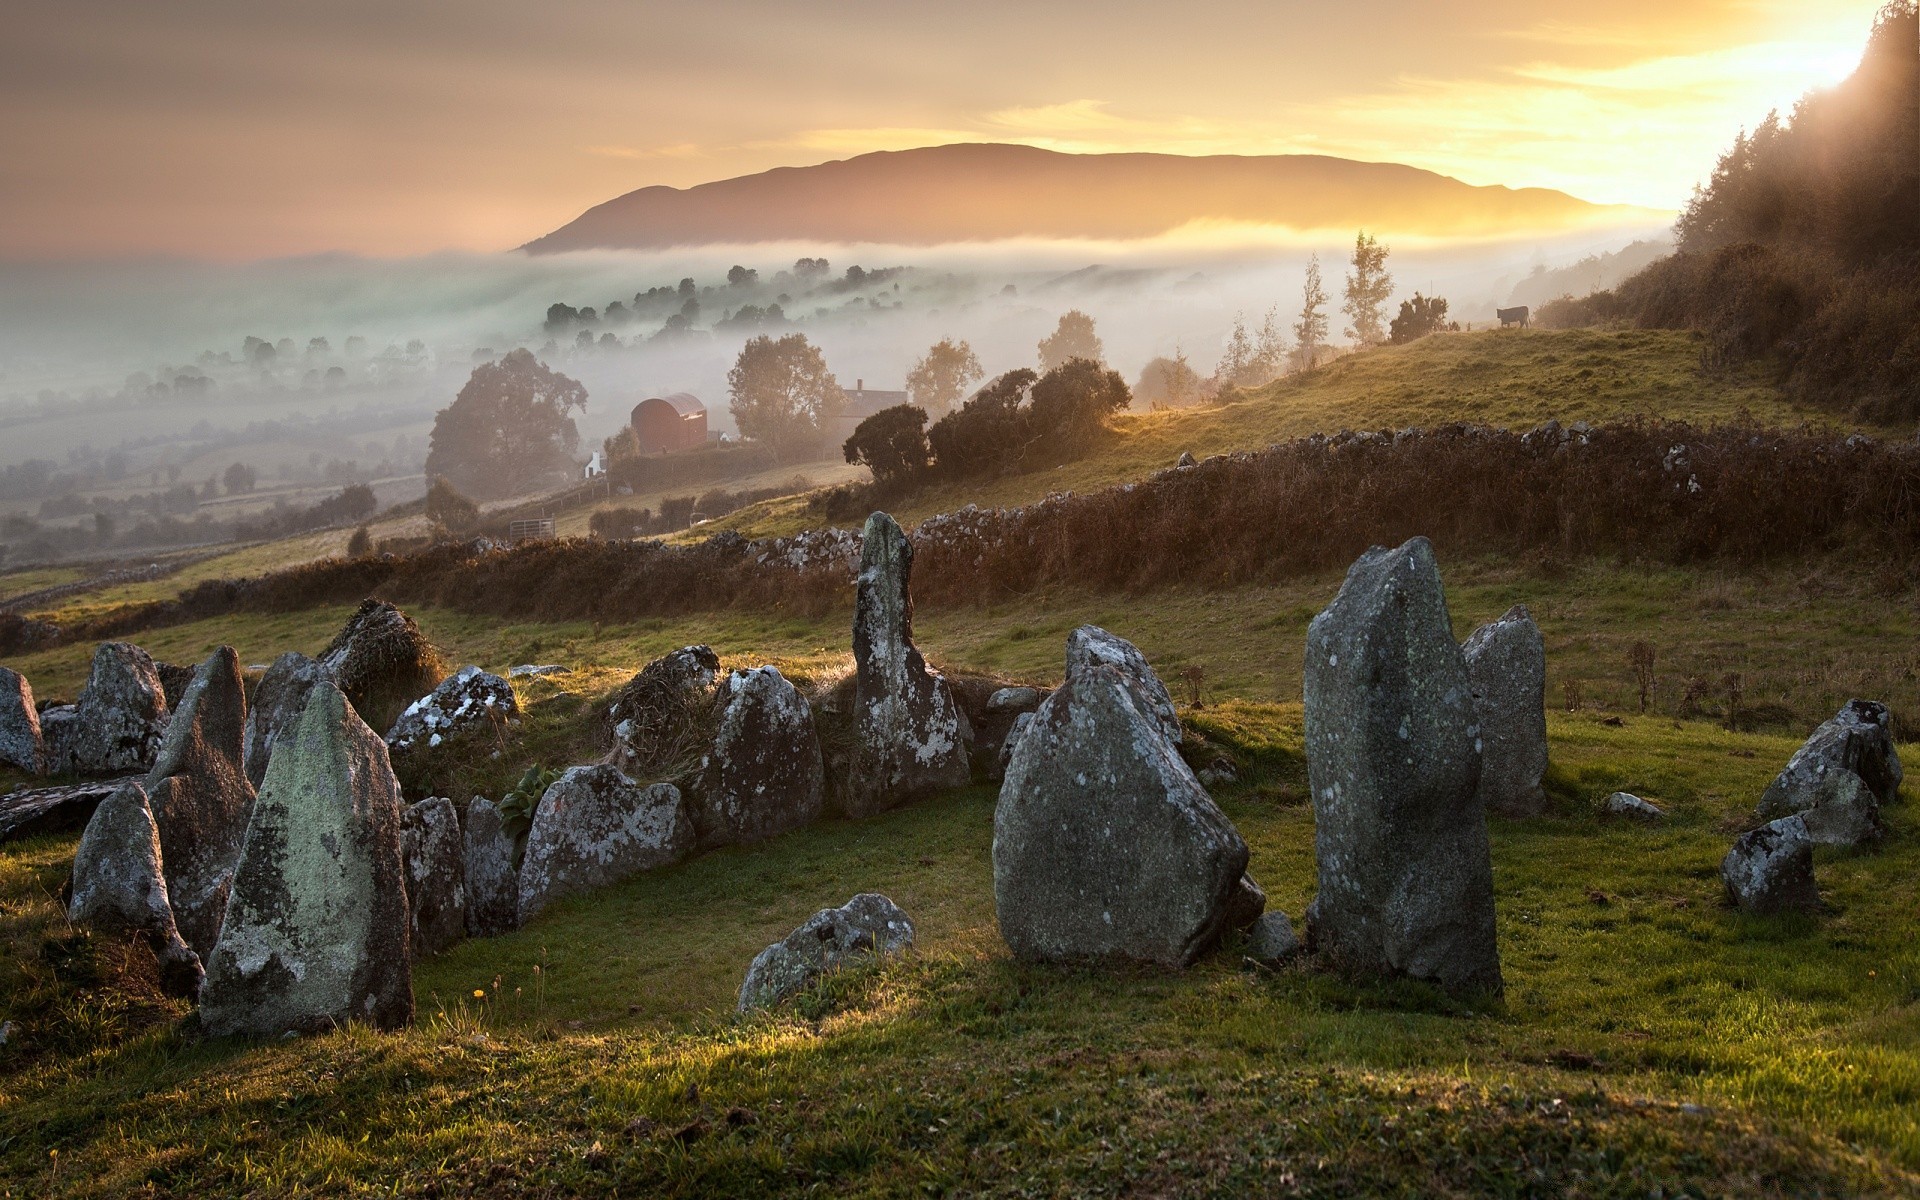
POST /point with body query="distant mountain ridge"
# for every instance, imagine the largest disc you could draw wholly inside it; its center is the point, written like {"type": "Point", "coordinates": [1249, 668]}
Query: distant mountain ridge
{"type": "Point", "coordinates": [978, 192]}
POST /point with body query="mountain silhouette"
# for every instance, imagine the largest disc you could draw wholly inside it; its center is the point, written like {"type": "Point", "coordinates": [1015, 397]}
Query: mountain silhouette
{"type": "Point", "coordinates": [984, 192]}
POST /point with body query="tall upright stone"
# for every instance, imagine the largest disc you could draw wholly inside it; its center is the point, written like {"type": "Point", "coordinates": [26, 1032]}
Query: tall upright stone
{"type": "Point", "coordinates": [911, 738]}
{"type": "Point", "coordinates": [21, 743]}
{"type": "Point", "coordinates": [433, 850]}
{"type": "Point", "coordinates": [492, 879]}
{"type": "Point", "coordinates": [1393, 759]}
{"type": "Point", "coordinates": [118, 885]}
{"type": "Point", "coordinates": [278, 700]}
{"type": "Point", "coordinates": [1507, 669]}
{"type": "Point", "coordinates": [200, 797]}
{"type": "Point", "coordinates": [316, 931]}
{"type": "Point", "coordinates": [763, 775]}
{"type": "Point", "coordinates": [121, 715]}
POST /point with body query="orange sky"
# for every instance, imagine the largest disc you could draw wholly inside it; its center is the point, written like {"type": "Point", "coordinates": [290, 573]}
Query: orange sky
{"type": "Point", "coordinates": [234, 130]}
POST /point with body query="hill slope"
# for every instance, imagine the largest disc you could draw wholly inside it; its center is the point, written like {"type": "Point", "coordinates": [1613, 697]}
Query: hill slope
{"type": "Point", "coordinates": [967, 193]}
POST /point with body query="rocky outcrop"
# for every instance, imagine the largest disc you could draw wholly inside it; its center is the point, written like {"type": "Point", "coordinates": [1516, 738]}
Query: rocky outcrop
{"type": "Point", "coordinates": [1393, 761]}
{"type": "Point", "coordinates": [1857, 741]}
{"type": "Point", "coordinates": [1105, 846]}
{"type": "Point", "coordinates": [121, 715]}
{"type": "Point", "coordinates": [201, 799]}
{"type": "Point", "coordinates": [1507, 668]}
{"type": "Point", "coordinates": [118, 885]}
{"type": "Point", "coordinates": [21, 744]}
{"type": "Point", "coordinates": [1770, 869]}
{"type": "Point", "coordinates": [866, 927]}
{"type": "Point", "coordinates": [595, 827]}
{"type": "Point", "coordinates": [316, 930]}
{"type": "Point", "coordinates": [382, 661]}
{"type": "Point", "coordinates": [764, 774]}
{"type": "Point", "coordinates": [1091, 644]}
{"type": "Point", "coordinates": [910, 737]}
{"type": "Point", "coordinates": [434, 852]}
{"type": "Point", "coordinates": [659, 718]}
{"type": "Point", "coordinates": [468, 699]}
{"type": "Point", "coordinates": [492, 880]}
{"type": "Point", "coordinates": [278, 700]}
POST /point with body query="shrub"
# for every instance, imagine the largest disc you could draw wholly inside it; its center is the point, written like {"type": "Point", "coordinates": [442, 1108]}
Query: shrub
{"type": "Point", "coordinates": [892, 443]}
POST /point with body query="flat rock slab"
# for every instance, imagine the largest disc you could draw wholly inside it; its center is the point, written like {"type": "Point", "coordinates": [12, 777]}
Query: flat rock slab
{"type": "Point", "coordinates": [865, 927]}
{"type": "Point", "coordinates": [62, 809]}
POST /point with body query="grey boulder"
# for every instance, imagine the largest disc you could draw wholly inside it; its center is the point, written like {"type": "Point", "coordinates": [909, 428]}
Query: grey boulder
{"type": "Point", "coordinates": [201, 799]}
{"type": "Point", "coordinates": [59, 723]}
{"type": "Point", "coordinates": [1091, 644]}
{"type": "Point", "coordinates": [21, 744]}
{"type": "Point", "coordinates": [118, 885]}
{"type": "Point", "coordinates": [1770, 869]}
{"type": "Point", "coordinates": [910, 736]}
{"type": "Point", "coordinates": [595, 827]}
{"type": "Point", "coordinates": [433, 851]}
{"type": "Point", "coordinates": [1104, 844]}
{"type": "Point", "coordinates": [468, 699]}
{"type": "Point", "coordinates": [1507, 668]}
{"type": "Point", "coordinates": [1006, 710]}
{"type": "Point", "coordinates": [1393, 761]}
{"type": "Point", "coordinates": [121, 715]}
{"type": "Point", "coordinates": [317, 931]}
{"type": "Point", "coordinates": [492, 880]}
{"type": "Point", "coordinates": [1272, 939]}
{"type": "Point", "coordinates": [278, 700]}
{"type": "Point", "coordinates": [1844, 813]}
{"type": "Point", "coordinates": [764, 774]}
{"type": "Point", "coordinates": [1858, 740]}
{"type": "Point", "coordinates": [1626, 804]}
{"type": "Point", "coordinates": [865, 927]}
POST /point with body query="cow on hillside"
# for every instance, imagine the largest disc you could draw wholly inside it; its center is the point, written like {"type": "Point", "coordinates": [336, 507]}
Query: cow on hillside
{"type": "Point", "coordinates": [1512, 316]}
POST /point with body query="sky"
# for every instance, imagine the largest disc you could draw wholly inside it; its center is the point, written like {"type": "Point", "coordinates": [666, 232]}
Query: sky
{"type": "Point", "coordinates": [236, 130]}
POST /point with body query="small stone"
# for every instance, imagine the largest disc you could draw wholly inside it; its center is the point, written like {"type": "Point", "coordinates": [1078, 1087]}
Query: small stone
{"type": "Point", "coordinates": [1626, 804]}
{"type": "Point", "coordinates": [1770, 869]}
{"type": "Point", "coordinates": [1272, 939]}
{"type": "Point", "coordinates": [658, 718]}
{"type": "Point", "coordinates": [1844, 813]}
{"type": "Point", "coordinates": [121, 715]}
{"type": "Point", "coordinates": [537, 670]}
{"type": "Point", "coordinates": [865, 927]}
{"type": "Point", "coordinates": [469, 699]}
{"type": "Point", "coordinates": [1507, 668]}
{"type": "Point", "coordinates": [492, 880]}
{"type": "Point", "coordinates": [1185, 460]}
{"type": "Point", "coordinates": [21, 744]}
{"type": "Point", "coordinates": [764, 775]}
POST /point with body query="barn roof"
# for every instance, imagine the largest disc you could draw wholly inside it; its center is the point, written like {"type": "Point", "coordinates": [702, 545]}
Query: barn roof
{"type": "Point", "coordinates": [684, 403]}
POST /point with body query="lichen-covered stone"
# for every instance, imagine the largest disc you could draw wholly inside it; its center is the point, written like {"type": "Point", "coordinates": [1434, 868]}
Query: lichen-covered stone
{"type": "Point", "coordinates": [1393, 760]}
{"type": "Point", "coordinates": [432, 847]}
{"type": "Point", "coordinates": [382, 661]}
{"type": "Point", "coordinates": [62, 809]}
{"type": "Point", "coordinates": [595, 827]}
{"type": "Point", "coordinates": [468, 699]}
{"type": "Point", "coordinates": [278, 700]}
{"type": "Point", "coordinates": [1507, 668]}
{"type": "Point", "coordinates": [1857, 740]}
{"type": "Point", "coordinates": [764, 775]}
{"type": "Point", "coordinates": [58, 725]}
{"type": "Point", "coordinates": [21, 743]}
{"type": "Point", "coordinates": [118, 884]}
{"type": "Point", "coordinates": [492, 880]}
{"type": "Point", "coordinates": [121, 715]}
{"type": "Point", "coordinates": [867, 926]}
{"type": "Point", "coordinates": [1844, 813]}
{"type": "Point", "coordinates": [1626, 804]}
{"type": "Point", "coordinates": [1770, 869]}
{"type": "Point", "coordinates": [201, 799]}
{"type": "Point", "coordinates": [1091, 644]}
{"type": "Point", "coordinates": [658, 718]}
{"type": "Point", "coordinates": [317, 931]}
{"type": "Point", "coordinates": [1104, 844]}
{"type": "Point", "coordinates": [910, 737]}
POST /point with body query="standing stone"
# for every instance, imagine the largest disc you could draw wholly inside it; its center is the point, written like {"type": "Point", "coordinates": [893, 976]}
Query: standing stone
{"type": "Point", "coordinates": [1104, 844]}
{"type": "Point", "coordinates": [121, 714]}
{"type": "Point", "coordinates": [1507, 668]}
{"type": "Point", "coordinates": [1770, 869]}
{"type": "Point", "coordinates": [316, 932]}
{"type": "Point", "coordinates": [595, 827]}
{"type": "Point", "coordinates": [433, 850]}
{"type": "Point", "coordinates": [278, 700]}
{"type": "Point", "coordinates": [493, 882]}
{"type": "Point", "coordinates": [1858, 740]}
{"type": "Point", "coordinates": [201, 799]}
{"type": "Point", "coordinates": [118, 885]}
{"type": "Point", "coordinates": [656, 719]}
{"type": "Point", "coordinates": [1393, 759]}
{"type": "Point", "coordinates": [910, 736]}
{"type": "Point", "coordinates": [867, 926]}
{"type": "Point", "coordinates": [764, 775]}
{"type": "Point", "coordinates": [21, 744]}
{"type": "Point", "coordinates": [1844, 813]}
{"type": "Point", "coordinates": [59, 723]}
{"type": "Point", "coordinates": [382, 661]}
{"type": "Point", "coordinates": [1091, 644]}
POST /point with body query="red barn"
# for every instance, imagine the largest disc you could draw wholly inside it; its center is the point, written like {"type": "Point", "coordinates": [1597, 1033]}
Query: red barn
{"type": "Point", "coordinates": [666, 424]}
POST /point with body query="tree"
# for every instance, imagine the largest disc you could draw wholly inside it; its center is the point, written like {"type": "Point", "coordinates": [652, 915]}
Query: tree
{"type": "Point", "coordinates": [783, 394]}
{"type": "Point", "coordinates": [560, 317]}
{"type": "Point", "coordinates": [1310, 331]}
{"type": "Point", "coordinates": [239, 478]}
{"type": "Point", "coordinates": [1368, 286]}
{"type": "Point", "coordinates": [1418, 317]}
{"type": "Point", "coordinates": [360, 544]}
{"type": "Point", "coordinates": [447, 508]}
{"type": "Point", "coordinates": [1072, 338]}
{"type": "Point", "coordinates": [1071, 404]}
{"type": "Point", "coordinates": [1168, 382]}
{"type": "Point", "coordinates": [892, 443]}
{"type": "Point", "coordinates": [739, 276]}
{"type": "Point", "coordinates": [985, 434]}
{"type": "Point", "coordinates": [1236, 360]}
{"type": "Point", "coordinates": [508, 430]}
{"type": "Point", "coordinates": [942, 376]}
{"type": "Point", "coordinates": [1270, 349]}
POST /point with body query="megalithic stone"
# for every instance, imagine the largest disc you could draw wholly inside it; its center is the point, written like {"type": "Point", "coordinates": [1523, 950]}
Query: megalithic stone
{"type": "Point", "coordinates": [1393, 758]}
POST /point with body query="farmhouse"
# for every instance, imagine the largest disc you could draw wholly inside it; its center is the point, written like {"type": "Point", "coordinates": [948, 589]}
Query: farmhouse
{"type": "Point", "coordinates": [668, 424]}
{"type": "Point", "coordinates": [862, 403]}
